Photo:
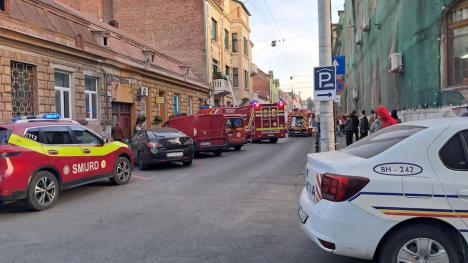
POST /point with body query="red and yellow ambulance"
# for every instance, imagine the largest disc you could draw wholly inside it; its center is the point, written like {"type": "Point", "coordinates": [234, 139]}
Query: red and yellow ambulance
{"type": "Point", "coordinates": [39, 157]}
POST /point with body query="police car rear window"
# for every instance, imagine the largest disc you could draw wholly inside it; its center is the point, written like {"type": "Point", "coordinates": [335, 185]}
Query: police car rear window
{"type": "Point", "coordinates": [381, 141]}
{"type": "Point", "coordinates": [4, 135]}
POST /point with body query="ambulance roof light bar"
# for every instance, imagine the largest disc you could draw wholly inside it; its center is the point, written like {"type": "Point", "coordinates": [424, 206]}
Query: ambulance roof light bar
{"type": "Point", "coordinates": [38, 118]}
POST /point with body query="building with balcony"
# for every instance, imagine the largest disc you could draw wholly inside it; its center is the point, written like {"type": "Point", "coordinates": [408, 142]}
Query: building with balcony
{"type": "Point", "coordinates": [211, 36]}
{"type": "Point", "coordinates": [55, 59]}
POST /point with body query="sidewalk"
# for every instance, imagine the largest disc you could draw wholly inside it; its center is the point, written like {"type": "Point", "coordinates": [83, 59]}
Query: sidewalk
{"type": "Point", "coordinates": [340, 142]}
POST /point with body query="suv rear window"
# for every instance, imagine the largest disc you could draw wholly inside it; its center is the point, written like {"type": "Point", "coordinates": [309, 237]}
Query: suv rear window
{"type": "Point", "coordinates": [4, 136]}
{"type": "Point", "coordinates": [381, 141]}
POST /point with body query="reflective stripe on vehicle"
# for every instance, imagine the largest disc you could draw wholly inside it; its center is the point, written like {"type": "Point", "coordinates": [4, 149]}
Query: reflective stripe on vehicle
{"type": "Point", "coordinates": [64, 150]}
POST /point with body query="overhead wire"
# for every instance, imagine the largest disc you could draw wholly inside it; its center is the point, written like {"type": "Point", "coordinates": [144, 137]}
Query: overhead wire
{"type": "Point", "coordinates": [269, 28]}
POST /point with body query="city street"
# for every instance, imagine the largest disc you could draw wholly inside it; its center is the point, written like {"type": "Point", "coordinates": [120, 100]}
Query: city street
{"type": "Point", "coordinates": [240, 207]}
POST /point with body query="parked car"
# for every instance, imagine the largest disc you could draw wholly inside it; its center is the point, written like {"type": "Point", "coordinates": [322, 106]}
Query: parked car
{"type": "Point", "coordinates": [207, 131]}
{"type": "Point", "coordinates": [398, 195]}
{"type": "Point", "coordinates": [162, 145]}
{"type": "Point", "coordinates": [42, 156]}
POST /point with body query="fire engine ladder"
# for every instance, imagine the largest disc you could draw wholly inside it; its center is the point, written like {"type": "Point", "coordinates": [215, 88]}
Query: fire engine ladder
{"type": "Point", "coordinates": [232, 92]}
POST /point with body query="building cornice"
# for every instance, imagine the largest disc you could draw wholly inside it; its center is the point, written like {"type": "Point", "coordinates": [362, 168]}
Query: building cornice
{"type": "Point", "coordinates": [108, 58]}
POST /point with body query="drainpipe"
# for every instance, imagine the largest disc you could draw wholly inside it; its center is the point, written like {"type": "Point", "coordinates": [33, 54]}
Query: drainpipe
{"type": "Point", "coordinates": [205, 14]}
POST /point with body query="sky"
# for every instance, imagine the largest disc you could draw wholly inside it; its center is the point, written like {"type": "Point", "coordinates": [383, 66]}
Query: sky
{"type": "Point", "coordinates": [293, 23]}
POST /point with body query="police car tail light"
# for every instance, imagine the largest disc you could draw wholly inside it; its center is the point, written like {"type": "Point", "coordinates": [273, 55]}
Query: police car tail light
{"type": "Point", "coordinates": [339, 188]}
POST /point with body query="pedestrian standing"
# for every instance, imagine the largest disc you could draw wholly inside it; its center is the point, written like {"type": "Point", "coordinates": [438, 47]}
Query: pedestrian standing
{"type": "Point", "coordinates": [385, 118]}
{"type": "Point", "coordinates": [348, 129]}
{"type": "Point", "coordinates": [355, 121]}
{"type": "Point", "coordinates": [395, 116]}
{"type": "Point", "coordinates": [371, 118]}
{"type": "Point", "coordinates": [363, 124]}
{"type": "Point", "coordinates": [117, 133]}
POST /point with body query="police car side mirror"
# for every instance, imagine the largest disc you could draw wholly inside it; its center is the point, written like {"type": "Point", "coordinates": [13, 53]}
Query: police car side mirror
{"type": "Point", "coordinates": [105, 140]}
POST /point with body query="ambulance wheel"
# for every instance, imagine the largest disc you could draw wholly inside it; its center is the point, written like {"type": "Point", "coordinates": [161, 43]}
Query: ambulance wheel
{"type": "Point", "coordinates": [237, 147]}
{"type": "Point", "coordinates": [218, 152]}
{"type": "Point", "coordinates": [273, 140]}
{"type": "Point", "coordinates": [419, 243]}
{"type": "Point", "coordinates": [43, 191]}
{"type": "Point", "coordinates": [122, 171]}
{"type": "Point", "coordinates": [141, 162]}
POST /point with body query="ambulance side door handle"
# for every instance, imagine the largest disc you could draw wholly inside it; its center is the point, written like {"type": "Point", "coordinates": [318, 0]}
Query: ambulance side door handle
{"type": "Point", "coordinates": [86, 151]}
{"type": "Point", "coordinates": [53, 152]}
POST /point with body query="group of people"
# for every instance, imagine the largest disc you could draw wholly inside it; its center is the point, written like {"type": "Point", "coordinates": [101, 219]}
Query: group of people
{"type": "Point", "coordinates": [352, 125]}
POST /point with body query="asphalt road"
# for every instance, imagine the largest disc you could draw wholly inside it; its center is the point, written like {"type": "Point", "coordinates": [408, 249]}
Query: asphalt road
{"type": "Point", "coordinates": [240, 207]}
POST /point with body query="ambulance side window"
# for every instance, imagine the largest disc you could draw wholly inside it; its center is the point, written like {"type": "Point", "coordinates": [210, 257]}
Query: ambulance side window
{"type": "Point", "coordinates": [33, 134]}
{"type": "Point", "coordinates": [56, 135]}
{"type": "Point", "coordinates": [84, 136]}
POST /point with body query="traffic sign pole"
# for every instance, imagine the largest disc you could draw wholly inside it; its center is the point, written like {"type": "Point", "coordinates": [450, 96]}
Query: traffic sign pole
{"type": "Point", "coordinates": [327, 119]}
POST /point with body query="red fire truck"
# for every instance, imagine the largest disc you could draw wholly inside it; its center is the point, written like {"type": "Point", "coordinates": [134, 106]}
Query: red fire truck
{"type": "Point", "coordinates": [235, 125]}
{"type": "Point", "coordinates": [262, 121]}
{"type": "Point", "coordinates": [266, 122]}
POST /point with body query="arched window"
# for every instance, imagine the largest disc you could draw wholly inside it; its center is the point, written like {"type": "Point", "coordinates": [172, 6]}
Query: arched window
{"type": "Point", "coordinates": [457, 44]}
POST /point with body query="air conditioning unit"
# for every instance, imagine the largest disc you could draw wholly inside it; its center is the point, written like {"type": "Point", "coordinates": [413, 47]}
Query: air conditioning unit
{"type": "Point", "coordinates": [365, 24]}
{"type": "Point", "coordinates": [358, 39]}
{"type": "Point", "coordinates": [395, 62]}
{"type": "Point", "coordinates": [143, 92]}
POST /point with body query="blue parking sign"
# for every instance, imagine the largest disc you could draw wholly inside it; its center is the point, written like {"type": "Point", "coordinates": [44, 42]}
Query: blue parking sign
{"type": "Point", "coordinates": [325, 83]}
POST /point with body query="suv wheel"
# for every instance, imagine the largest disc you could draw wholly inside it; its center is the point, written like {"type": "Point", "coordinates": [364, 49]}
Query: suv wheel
{"type": "Point", "coordinates": [141, 162]}
{"type": "Point", "coordinates": [43, 191]}
{"type": "Point", "coordinates": [122, 171]}
{"type": "Point", "coordinates": [237, 147]}
{"type": "Point", "coordinates": [218, 152]}
{"type": "Point", "coordinates": [187, 163]}
{"type": "Point", "coordinates": [419, 243]}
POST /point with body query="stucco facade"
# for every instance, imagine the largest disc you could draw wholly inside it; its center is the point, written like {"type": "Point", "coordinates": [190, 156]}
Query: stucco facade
{"type": "Point", "coordinates": [59, 60]}
{"type": "Point", "coordinates": [194, 32]}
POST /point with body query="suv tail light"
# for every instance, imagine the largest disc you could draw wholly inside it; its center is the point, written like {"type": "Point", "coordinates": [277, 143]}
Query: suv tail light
{"type": "Point", "coordinates": [339, 188]}
{"type": "Point", "coordinates": [152, 145]}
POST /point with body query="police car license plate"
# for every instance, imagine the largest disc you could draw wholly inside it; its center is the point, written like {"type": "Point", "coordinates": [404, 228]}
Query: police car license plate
{"type": "Point", "coordinates": [302, 215]}
{"type": "Point", "coordinates": [176, 154]}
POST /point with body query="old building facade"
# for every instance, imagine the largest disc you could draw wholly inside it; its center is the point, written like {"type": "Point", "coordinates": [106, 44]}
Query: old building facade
{"type": "Point", "coordinates": [54, 59]}
{"type": "Point", "coordinates": [212, 36]}
{"type": "Point", "coordinates": [404, 54]}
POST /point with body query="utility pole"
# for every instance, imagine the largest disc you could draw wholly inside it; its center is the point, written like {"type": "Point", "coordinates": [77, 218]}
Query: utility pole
{"type": "Point", "coordinates": [327, 118]}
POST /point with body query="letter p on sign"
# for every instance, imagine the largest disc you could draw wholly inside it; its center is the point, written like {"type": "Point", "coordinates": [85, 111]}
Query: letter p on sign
{"type": "Point", "coordinates": [324, 77]}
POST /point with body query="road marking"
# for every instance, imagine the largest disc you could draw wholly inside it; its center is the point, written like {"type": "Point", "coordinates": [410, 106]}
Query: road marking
{"type": "Point", "coordinates": [142, 177]}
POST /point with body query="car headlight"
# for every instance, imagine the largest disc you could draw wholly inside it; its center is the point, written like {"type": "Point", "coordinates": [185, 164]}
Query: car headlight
{"type": "Point", "coordinates": [188, 142]}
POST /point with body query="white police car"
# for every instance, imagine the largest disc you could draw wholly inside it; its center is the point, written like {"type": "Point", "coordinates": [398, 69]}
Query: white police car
{"type": "Point", "coordinates": [399, 196]}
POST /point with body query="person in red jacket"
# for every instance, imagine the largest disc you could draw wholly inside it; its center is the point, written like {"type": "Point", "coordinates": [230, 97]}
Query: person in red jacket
{"type": "Point", "coordinates": [385, 118]}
